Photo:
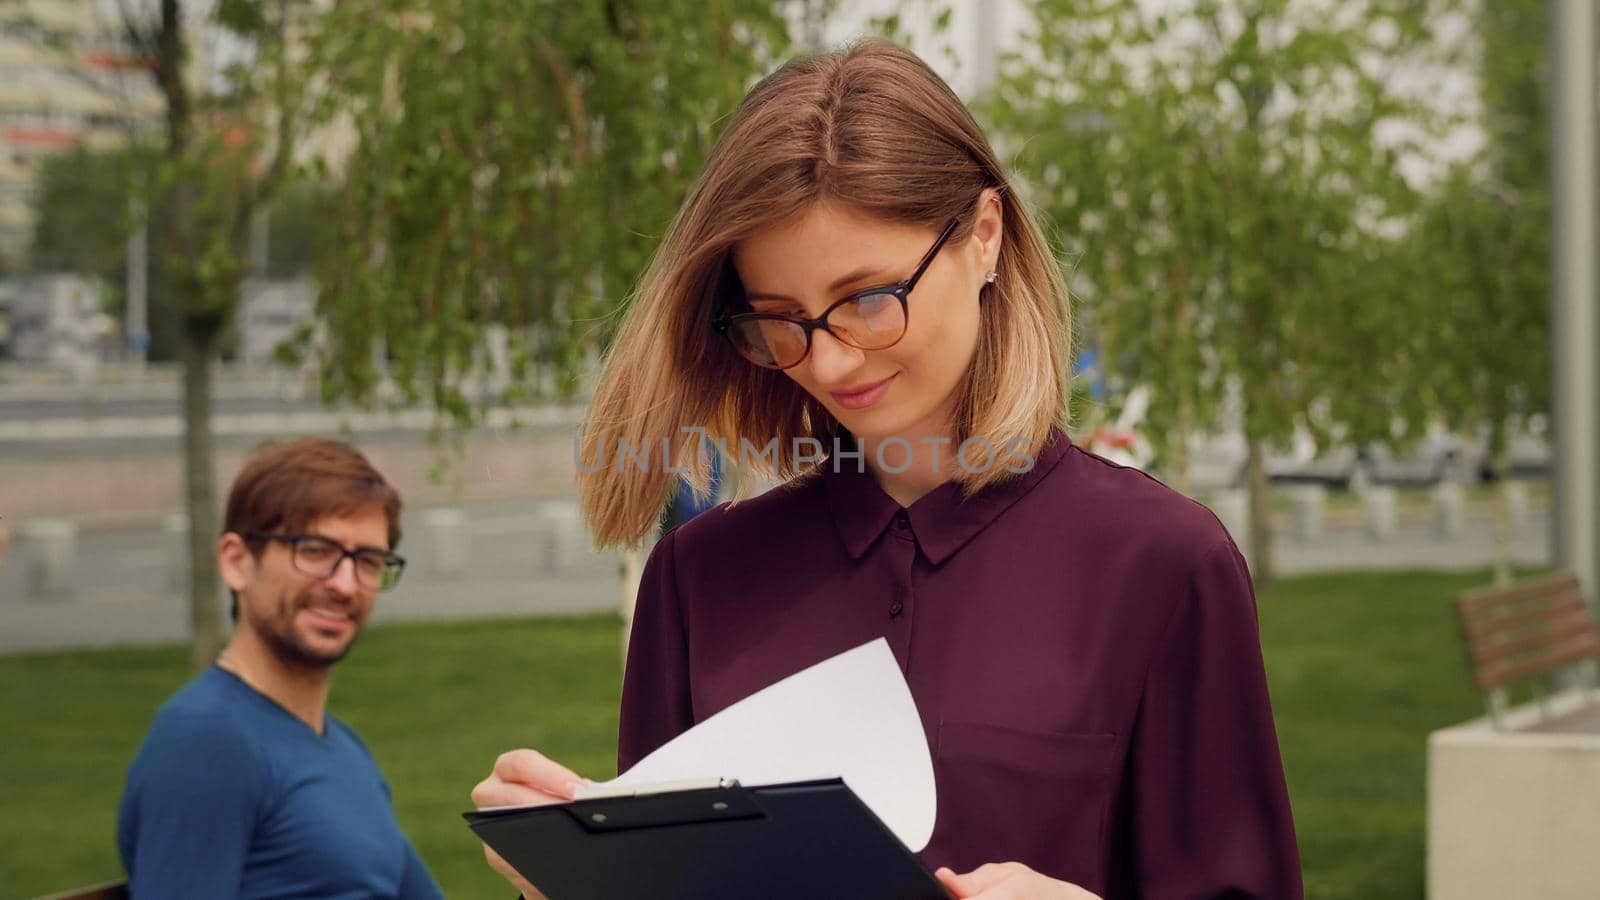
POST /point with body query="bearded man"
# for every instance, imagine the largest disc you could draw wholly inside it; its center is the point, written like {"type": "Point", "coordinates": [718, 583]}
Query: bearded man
{"type": "Point", "coordinates": [245, 786]}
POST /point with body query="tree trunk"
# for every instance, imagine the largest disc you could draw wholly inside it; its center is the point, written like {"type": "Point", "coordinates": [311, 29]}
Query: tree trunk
{"type": "Point", "coordinates": [1500, 462]}
{"type": "Point", "coordinates": [199, 350]}
{"type": "Point", "coordinates": [1182, 474]}
{"type": "Point", "coordinates": [1178, 284]}
{"type": "Point", "coordinates": [1502, 526]}
{"type": "Point", "coordinates": [1260, 516]}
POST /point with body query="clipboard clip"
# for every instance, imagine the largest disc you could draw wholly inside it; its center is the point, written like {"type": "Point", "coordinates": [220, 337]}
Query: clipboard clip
{"type": "Point", "coordinates": [724, 800]}
{"type": "Point", "coordinates": [593, 791]}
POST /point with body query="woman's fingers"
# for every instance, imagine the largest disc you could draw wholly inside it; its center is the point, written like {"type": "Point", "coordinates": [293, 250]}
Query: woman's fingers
{"type": "Point", "coordinates": [1009, 881]}
{"type": "Point", "coordinates": [975, 882]}
{"type": "Point", "coordinates": [526, 778]}
{"type": "Point", "coordinates": [534, 769]}
{"type": "Point", "coordinates": [493, 792]}
{"type": "Point", "coordinates": [523, 778]}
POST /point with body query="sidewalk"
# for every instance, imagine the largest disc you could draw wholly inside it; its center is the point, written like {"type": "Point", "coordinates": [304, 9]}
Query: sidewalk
{"type": "Point", "coordinates": [513, 561]}
{"type": "Point", "coordinates": [1413, 546]}
{"type": "Point", "coordinates": [124, 590]}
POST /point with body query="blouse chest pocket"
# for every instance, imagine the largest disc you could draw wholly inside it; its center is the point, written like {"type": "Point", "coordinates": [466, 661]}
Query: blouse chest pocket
{"type": "Point", "coordinates": [1034, 797]}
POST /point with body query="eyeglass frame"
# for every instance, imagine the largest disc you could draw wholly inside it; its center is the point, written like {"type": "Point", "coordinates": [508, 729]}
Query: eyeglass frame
{"type": "Point", "coordinates": [900, 290]}
{"type": "Point", "coordinates": [392, 561]}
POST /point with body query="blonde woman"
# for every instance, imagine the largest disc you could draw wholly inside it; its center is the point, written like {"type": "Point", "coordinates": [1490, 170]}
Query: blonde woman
{"type": "Point", "coordinates": [853, 298]}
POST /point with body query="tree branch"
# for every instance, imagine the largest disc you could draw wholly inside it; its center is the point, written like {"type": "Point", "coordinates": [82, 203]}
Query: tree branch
{"type": "Point", "coordinates": [572, 96]}
{"type": "Point", "coordinates": [142, 41]}
{"type": "Point", "coordinates": [169, 59]}
{"type": "Point", "coordinates": [284, 108]}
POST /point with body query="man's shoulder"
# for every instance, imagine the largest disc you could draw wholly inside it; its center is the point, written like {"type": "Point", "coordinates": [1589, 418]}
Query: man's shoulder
{"type": "Point", "coordinates": [202, 704]}
{"type": "Point", "coordinates": [203, 713]}
{"type": "Point", "coordinates": [198, 750]}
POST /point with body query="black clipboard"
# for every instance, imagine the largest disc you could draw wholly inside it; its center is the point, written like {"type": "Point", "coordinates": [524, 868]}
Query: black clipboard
{"type": "Point", "coordinates": [799, 841]}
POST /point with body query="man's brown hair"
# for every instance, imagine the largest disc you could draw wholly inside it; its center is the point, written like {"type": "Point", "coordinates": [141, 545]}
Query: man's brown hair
{"type": "Point", "coordinates": [285, 486]}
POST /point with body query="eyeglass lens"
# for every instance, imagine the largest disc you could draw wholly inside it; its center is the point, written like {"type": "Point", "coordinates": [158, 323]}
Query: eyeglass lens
{"type": "Point", "coordinates": [320, 559]}
{"type": "Point", "coordinates": [872, 321]}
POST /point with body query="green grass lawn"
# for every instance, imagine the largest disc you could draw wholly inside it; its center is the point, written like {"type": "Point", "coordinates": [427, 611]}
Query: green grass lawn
{"type": "Point", "coordinates": [435, 703]}
{"type": "Point", "coordinates": [1362, 668]}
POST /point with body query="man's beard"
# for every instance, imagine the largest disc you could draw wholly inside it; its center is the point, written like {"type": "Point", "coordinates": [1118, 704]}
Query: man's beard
{"type": "Point", "coordinates": [283, 641]}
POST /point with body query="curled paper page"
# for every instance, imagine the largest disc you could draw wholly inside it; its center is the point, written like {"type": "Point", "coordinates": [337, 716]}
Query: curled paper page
{"type": "Point", "coordinates": [849, 717]}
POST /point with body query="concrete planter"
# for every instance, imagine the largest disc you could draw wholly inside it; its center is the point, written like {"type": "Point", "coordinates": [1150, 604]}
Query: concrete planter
{"type": "Point", "coordinates": [1516, 813]}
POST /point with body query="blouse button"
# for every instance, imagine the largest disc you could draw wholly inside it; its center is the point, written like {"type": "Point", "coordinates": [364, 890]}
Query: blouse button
{"type": "Point", "coordinates": [901, 521]}
{"type": "Point", "coordinates": [896, 608]}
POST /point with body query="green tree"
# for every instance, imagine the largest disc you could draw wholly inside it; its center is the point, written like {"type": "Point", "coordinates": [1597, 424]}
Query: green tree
{"type": "Point", "coordinates": [223, 150]}
{"type": "Point", "coordinates": [1480, 248]}
{"type": "Point", "coordinates": [513, 166]}
{"type": "Point", "coordinates": [80, 210]}
{"type": "Point", "coordinates": [295, 229]}
{"type": "Point", "coordinates": [84, 217]}
{"type": "Point", "coordinates": [1216, 172]}
{"type": "Point", "coordinates": [223, 154]}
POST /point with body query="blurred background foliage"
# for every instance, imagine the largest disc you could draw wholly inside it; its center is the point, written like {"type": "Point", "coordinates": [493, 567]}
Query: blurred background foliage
{"type": "Point", "coordinates": [1231, 186]}
{"type": "Point", "coordinates": [1248, 195]}
{"type": "Point", "coordinates": [1258, 200]}
{"type": "Point", "coordinates": [1235, 185]}
{"type": "Point", "coordinates": [509, 165]}
{"type": "Point", "coordinates": [1251, 196]}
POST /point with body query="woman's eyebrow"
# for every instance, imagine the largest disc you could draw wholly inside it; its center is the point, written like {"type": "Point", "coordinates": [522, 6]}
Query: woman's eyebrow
{"type": "Point", "coordinates": [761, 295]}
{"type": "Point", "coordinates": [861, 274]}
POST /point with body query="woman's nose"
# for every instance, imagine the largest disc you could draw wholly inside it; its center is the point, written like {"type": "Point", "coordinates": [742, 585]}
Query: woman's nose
{"type": "Point", "coordinates": [832, 360]}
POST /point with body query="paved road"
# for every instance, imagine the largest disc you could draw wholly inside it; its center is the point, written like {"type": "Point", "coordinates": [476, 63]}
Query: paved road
{"type": "Point", "coordinates": [529, 558]}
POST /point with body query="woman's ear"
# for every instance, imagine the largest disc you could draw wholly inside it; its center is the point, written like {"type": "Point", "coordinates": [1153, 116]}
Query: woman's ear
{"type": "Point", "coordinates": [988, 229]}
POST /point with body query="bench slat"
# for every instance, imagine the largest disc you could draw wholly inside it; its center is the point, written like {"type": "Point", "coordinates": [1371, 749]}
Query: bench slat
{"type": "Point", "coordinates": [1479, 627]}
{"type": "Point", "coordinates": [1474, 602]}
{"type": "Point", "coordinates": [1513, 634]}
{"type": "Point", "coordinates": [116, 890]}
{"type": "Point", "coordinates": [1548, 660]}
{"type": "Point", "coordinates": [1507, 645]}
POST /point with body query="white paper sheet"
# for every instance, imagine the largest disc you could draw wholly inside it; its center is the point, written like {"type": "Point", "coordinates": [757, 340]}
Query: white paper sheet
{"type": "Point", "coordinates": [849, 717]}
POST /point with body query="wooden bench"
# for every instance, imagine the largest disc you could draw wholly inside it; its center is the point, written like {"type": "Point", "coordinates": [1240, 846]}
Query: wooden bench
{"type": "Point", "coordinates": [115, 890]}
{"type": "Point", "coordinates": [1527, 632]}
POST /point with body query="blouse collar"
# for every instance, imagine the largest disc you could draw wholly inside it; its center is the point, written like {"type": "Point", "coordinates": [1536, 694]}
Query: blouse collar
{"type": "Point", "coordinates": [941, 521]}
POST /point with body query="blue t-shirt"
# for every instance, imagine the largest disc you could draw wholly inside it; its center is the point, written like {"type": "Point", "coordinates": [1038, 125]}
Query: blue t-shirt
{"type": "Point", "coordinates": [233, 796]}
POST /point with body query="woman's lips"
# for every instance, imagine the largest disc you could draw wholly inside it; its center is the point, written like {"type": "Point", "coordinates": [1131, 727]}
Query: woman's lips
{"type": "Point", "coordinates": [862, 397]}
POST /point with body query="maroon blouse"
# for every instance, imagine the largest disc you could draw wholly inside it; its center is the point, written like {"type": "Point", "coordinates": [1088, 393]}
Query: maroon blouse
{"type": "Point", "coordinates": [1081, 642]}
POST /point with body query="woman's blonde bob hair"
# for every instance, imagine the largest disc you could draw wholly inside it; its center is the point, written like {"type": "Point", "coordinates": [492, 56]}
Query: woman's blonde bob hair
{"type": "Point", "coordinates": [871, 128]}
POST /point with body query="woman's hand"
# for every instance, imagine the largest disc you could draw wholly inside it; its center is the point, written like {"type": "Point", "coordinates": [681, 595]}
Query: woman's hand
{"type": "Point", "coordinates": [1009, 881]}
{"type": "Point", "coordinates": [523, 778]}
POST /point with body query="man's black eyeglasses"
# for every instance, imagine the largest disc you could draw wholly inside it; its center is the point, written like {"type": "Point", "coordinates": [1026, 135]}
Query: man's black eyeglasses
{"type": "Point", "coordinates": [319, 557]}
{"type": "Point", "coordinates": [873, 319]}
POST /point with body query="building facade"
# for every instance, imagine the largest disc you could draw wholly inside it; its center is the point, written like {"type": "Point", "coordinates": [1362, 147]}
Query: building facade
{"type": "Point", "coordinates": [69, 77]}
